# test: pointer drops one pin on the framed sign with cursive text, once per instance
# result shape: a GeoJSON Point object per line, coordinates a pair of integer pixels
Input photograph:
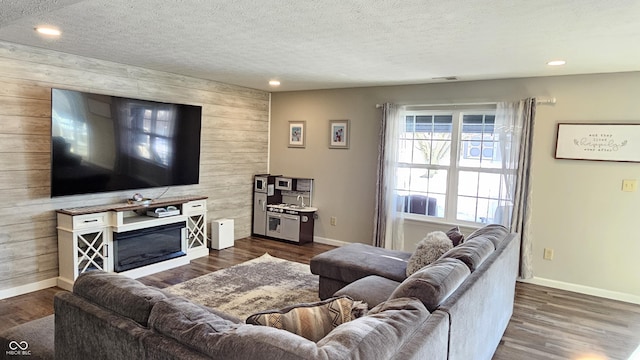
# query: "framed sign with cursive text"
{"type": "Point", "coordinates": [603, 142]}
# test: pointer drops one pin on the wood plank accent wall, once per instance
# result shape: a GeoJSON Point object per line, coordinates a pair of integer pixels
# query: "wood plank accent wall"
{"type": "Point", "coordinates": [234, 147]}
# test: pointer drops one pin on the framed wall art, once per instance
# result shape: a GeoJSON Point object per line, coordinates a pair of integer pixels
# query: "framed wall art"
{"type": "Point", "coordinates": [297, 134]}
{"type": "Point", "coordinates": [339, 134]}
{"type": "Point", "coordinates": [601, 142]}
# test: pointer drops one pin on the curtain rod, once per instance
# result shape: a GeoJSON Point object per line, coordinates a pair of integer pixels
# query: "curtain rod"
{"type": "Point", "coordinates": [550, 101]}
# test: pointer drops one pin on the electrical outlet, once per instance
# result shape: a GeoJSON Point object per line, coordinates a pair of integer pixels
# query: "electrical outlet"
{"type": "Point", "coordinates": [334, 221]}
{"type": "Point", "coordinates": [629, 185]}
{"type": "Point", "coordinates": [548, 254]}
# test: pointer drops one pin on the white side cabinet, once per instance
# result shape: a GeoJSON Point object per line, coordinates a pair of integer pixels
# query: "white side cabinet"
{"type": "Point", "coordinates": [196, 212]}
{"type": "Point", "coordinates": [222, 234]}
{"type": "Point", "coordinates": [84, 242]}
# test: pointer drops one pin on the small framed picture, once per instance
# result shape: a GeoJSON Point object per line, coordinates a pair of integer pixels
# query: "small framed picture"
{"type": "Point", "coordinates": [297, 133]}
{"type": "Point", "coordinates": [339, 134]}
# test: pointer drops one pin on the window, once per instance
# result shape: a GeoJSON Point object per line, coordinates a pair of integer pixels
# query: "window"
{"type": "Point", "coordinates": [71, 132]}
{"type": "Point", "coordinates": [450, 167]}
{"type": "Point", "coordinates": [152, 128]}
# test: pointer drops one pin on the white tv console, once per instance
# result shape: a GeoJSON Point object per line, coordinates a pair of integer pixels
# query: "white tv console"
{"type": "Point", "coordinates": [85, 235]}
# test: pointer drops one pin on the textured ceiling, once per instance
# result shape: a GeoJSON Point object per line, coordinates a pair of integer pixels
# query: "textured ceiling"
{"type": "Point", "coordinates": [314, 44]}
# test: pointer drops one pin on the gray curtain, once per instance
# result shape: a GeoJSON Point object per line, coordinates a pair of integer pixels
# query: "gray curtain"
{"type": "Point", "coordinates": [515, 122]}
{"type": "Point", "coordinates": [388, 227]}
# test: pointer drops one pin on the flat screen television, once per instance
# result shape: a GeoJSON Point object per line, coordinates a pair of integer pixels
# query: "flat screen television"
{"type": "Point", "coordinates": [102, 143]}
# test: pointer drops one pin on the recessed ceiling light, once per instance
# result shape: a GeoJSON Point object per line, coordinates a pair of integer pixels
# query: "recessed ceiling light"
{"type": "Point", "coordinates": [48, 31]}
{"type": "Point", "coordinates": [274, 83]}
{"type": "Point", "coordinates": [556, 62]}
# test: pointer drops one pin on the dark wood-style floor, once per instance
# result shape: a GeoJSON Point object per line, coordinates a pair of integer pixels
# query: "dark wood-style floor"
{"type": "Point", "coordinates": [546, 324]}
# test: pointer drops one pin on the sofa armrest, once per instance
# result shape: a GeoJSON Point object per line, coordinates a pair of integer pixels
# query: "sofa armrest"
{"type": "Point", "coordinates": [481, 307]}
{"type": "Point", "coordinates": [120, 294]}
{"type": "Point", "coordinates": [397, 329]}
{"type": "Point", "coordinates": [83, 329]}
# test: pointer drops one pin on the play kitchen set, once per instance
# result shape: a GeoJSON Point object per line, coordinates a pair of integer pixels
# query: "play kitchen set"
{"type": "Point", "coordinates": [282, 208]}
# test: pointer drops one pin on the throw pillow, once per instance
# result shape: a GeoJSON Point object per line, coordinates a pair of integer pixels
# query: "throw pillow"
{"type": "Point", "coordinates": [312, 321]}
{"type": "Point", "coordinates": [456, 236]}
{"type": "Point", "coordinates": [428, 250]}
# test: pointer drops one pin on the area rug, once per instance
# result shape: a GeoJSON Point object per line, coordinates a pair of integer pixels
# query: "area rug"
{"type": "Point", "coordinates": [263, 283]}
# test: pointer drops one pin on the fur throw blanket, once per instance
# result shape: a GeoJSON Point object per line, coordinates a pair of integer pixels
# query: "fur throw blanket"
{"type": "Point", "coordinates": [428, 250]}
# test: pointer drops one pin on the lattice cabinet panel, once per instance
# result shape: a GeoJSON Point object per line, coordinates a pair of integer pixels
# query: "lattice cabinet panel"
{"type": "Point", "coordinates": [92, 251]}
{"type": "Point", "coordinates": [196, 212]}
{"type": "Point", "coordinates": [197, 230]}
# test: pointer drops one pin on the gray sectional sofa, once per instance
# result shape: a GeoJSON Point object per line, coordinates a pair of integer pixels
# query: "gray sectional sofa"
{"type": "Point", "coordinates": [108, 316]}
{"type": "Point", "coordinates": [456, 308]}
{"type": "Point", "coordinates": [472, 285]}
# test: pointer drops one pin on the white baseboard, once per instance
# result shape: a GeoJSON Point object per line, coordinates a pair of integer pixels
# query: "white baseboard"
{"type": "Point", "coordinates": [64, 283]}
{"type": "Point", "coordinates": [198, 253]}
{"type": "Point", "coordinates": [332, 242]}
{"type": "Point", "coordinates": [23, 289]}
{"type": "Point", "coordinates": [582, 289]}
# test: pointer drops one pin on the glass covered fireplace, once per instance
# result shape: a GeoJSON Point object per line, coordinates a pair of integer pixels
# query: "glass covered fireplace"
{"type": "Point", "coordinates": [133, 249]}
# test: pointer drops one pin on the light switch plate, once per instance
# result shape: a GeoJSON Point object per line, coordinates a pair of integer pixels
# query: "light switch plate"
{"type": "Point", "coordinates": [630, 185]}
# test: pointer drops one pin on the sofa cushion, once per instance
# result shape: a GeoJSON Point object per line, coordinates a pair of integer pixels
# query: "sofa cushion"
{"type": "Point", "coordinates": [428, 250]}
{"type": "Point", "coordinates": [403, 303]}
{"type": "Point", "coordinates": [120, 294]}
{"type": "Point", "coordinates": [473, 252]}
{"type": "Point", "coordinates": [433, 283]}
{"type": "Point", "coordinates": [395, 326]}
{"type": "Point", "coordinates": [355, 261]}
{"type": "Point", "coordinates": [186, 322]}
{"type": "Point", "coordinates": [493, 232]}
{"type": "Point", "coordinates": [455, 235]}
{"type": "Point", "coordinates": [312, 321]}
{"type": "Point", "coordinates": [214, 311]}
{"type": "Point", "coordinates": [371, 290]}
{"type": "Point", "coordinates": [199, 329]}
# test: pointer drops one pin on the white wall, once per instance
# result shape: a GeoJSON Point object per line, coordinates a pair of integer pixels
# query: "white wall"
{"type": "Point", "coordinates": [579, 209]}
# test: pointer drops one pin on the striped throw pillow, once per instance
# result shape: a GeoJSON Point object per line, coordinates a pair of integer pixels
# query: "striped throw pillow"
{"type": "Point", "coordinates": [312, 321]}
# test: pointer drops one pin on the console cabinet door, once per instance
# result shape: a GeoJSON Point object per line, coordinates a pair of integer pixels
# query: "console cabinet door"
{"type": "Point", "coordinates": [196, 212]}
{"type": "Point", "coordinates": [84, 243]}
{"type": "Point", "coordinates": [92, 251]}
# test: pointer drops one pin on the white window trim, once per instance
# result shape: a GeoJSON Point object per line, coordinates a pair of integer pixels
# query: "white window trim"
{"type": "Point", "coordinates": [454, 167]}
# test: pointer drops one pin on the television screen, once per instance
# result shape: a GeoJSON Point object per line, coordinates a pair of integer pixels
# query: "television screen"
{"type": "Point", "coordinates": [103, 143]}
